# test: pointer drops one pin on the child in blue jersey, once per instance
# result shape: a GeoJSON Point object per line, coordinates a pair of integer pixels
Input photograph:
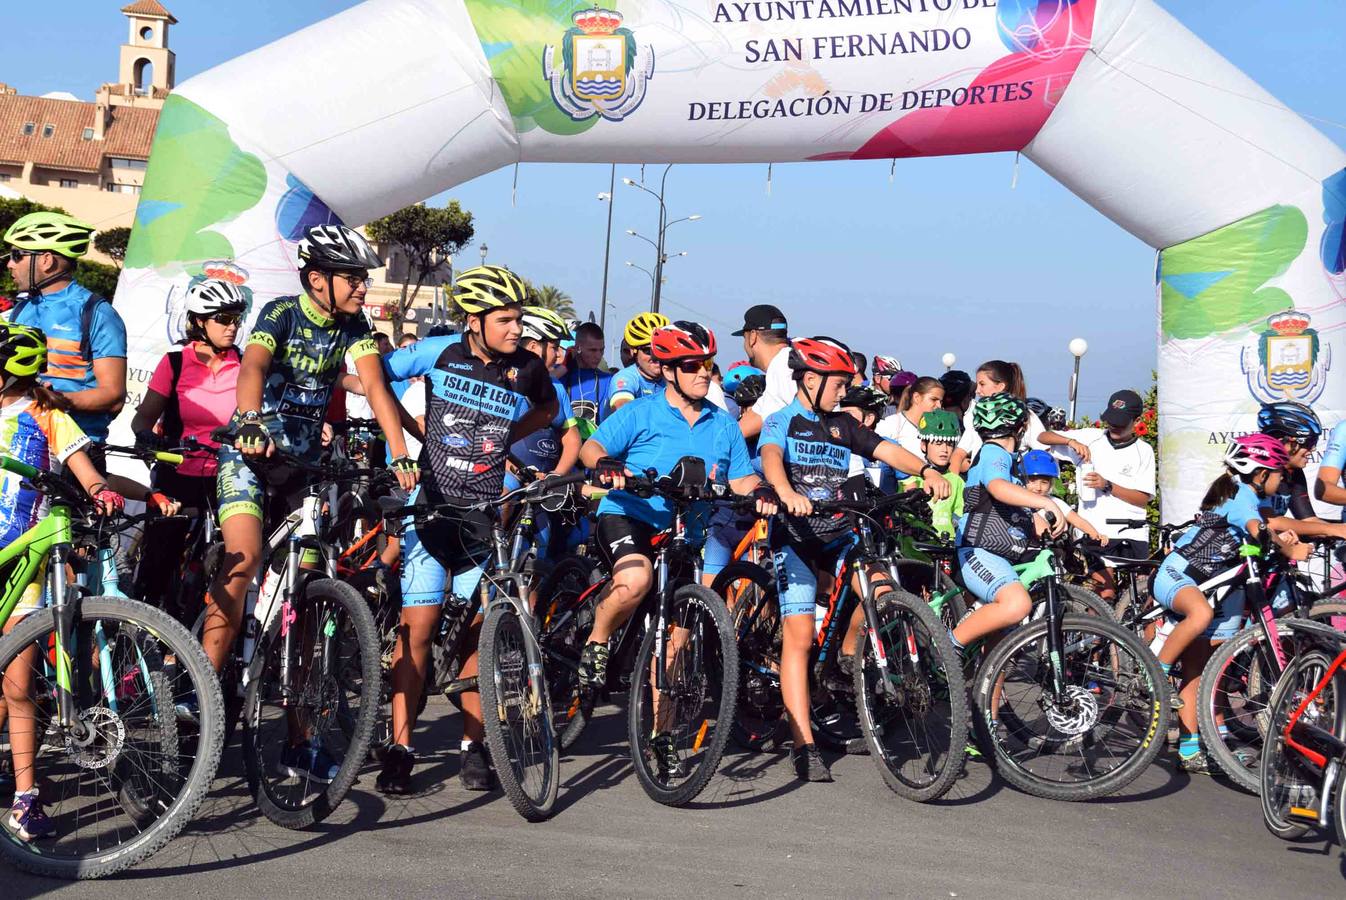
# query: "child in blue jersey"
{"type": "Point", "coordinates": [1329, 486]}
{"type": "Point", "coordinates": [806, 456]}
{"type": "Point", "coordinates": [997, 525]}
{"type": "Point", "coordinates": [643, 378]}
{"type": "Point", "coordinates": [656, 432]}
{"type": "Point", "coordinates": [1231, 514]}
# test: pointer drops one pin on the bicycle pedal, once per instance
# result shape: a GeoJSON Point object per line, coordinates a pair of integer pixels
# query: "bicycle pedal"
{"type": "Point", "coordinates": [460, 686]}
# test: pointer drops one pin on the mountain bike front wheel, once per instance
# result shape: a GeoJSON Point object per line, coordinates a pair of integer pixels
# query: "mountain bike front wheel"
{"type": "Point", "coordinates": [127, 776]}
{"type": "Point", "coordinates": [1092, 737]}
{"type": "Point", "coordinates": [1286, 783]}
{"type": "Point", "coordinates": [916, 724]}
{"type": "Point", "coordinates": [517, 714]}
{"type": "Point", "coordinates": [677, 734]}
{"type": "Point", "coordinates": [305, 739]}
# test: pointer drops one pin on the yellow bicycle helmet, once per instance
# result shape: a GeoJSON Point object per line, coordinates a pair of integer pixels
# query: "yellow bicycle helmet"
{"type": "Point", "coordinates": [542, 324]}
{"type": "Point", "coordinates": [641, 329]}
{"type": "Point", "coordinates": [23, 351]}
{"type": "Point", "coordinates": [50, 231]}
{"type": "Point", "coordinates": [486, 288]}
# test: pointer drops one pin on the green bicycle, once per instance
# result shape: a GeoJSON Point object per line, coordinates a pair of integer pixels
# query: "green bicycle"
{"type": "Point", "coordinates": [93, 685]}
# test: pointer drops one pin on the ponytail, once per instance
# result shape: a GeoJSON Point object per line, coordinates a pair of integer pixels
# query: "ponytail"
{"type": "Point", "coordinates": [48, 399]}
{"type": "Point", "coordinates": [923, 385]}
{"type": "Point", "coordinates": [1221, 490]}
{"type": "Point", "coordinates": [1007, 373]}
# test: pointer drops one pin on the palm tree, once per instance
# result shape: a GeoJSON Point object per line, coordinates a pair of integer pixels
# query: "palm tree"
{"type": "Point", "coordinates": [551, 297]}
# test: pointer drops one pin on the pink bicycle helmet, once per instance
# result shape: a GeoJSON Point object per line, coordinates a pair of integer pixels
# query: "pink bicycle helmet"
{"type": "Point", "coordinates": [1251, 452]}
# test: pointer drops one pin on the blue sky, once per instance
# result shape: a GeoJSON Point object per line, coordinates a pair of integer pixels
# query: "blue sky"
{"type": "Point", "coordinates": [933, 262]}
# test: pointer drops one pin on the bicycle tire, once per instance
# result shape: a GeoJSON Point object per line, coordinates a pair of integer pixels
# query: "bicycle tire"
{"type": "Point", "coordinates": [136, 796]}
{"type": "Point", "coordinates": [1275, 763]}
{"type": "Point", "coordinates": [201, 759]}
{"type": "Point", "coordinates": [919, 692]}
{"type": "Point", "coordinates": [562, 631]}
{"type": "Point", "coordinates": [758, 713]}
{"type": "Point", "coordinates": [510, 710]}
{"type": "Point", "coordinates": [1136, 680]}
{"type": "Point", "coordinates": [352, 619]}
{"type": "Point", "coordinates": [701, 608]}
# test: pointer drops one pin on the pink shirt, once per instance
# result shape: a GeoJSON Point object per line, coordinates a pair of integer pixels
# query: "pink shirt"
{"type": "Point", "coordinates": [206, 400]}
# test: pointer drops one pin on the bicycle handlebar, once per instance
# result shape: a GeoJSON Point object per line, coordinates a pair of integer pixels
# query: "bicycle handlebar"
{"type": "Point", "coordinates": [532, 490]}
{"type": "Point", "coordinates": [913, 497]}
{"type": "Point", "coordinates": [169, 457]}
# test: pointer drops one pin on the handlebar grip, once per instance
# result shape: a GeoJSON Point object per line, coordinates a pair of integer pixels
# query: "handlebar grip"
{"type": "Point", "coordinates": [553, 481]}
{"type": "Point", "coordinates": [172, 459]}
{"type": "Point", "coordinates": [18, 467]}
{"type": "Point", "coordinates": [223, 435]}
{"type": "Point", "coordinates": [1127, 523]}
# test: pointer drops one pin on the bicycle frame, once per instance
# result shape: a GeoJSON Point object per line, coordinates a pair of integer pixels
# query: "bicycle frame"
{"type": "Point", "coordinates": [1327, 755]}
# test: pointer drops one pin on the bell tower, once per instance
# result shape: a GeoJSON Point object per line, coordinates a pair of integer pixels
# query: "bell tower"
{"type": "Point", "coordinates": [147, 65]}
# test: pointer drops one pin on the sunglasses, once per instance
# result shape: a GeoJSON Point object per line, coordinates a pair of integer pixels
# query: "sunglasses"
{"type": "Point", "coordinates": [356, 281]}
{"type": "Point", "coordinates": [16, 255]}
{"type": "Point", "coordinates": [692, 366]}
{"type": "Point", "coordinates": [227, 319]}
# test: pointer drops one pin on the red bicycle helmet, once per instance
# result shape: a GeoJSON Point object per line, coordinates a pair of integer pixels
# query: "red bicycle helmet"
{"type": "Point", "coordinates": [682, 340]}
{"type": "Point", "coordinates": [1251, 452]}
{"type": "Point", "coordinates": [822, 355]}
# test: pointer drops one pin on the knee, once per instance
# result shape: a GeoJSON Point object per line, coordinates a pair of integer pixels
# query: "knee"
{"type": "Point", "coordinates": [630, 586]}
{"type": "Point", "coordinates": [1014, 602]}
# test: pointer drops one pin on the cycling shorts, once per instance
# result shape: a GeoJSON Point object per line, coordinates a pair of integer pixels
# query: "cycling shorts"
{"type": "Point", "coordinates": [1173, 577]}
{"type": "Point", "coordinates": [619, 536]}
{"type": "Point", "coordinates": [796, 566]}
{"type": "Point", "coordinates": [722, 540]}
{"type": "Point", "coordinates": [984, 573]}
{"type": "Point", "coordinates": [435, 550]}
{"type": "Point", "coordinates": [241, 490]}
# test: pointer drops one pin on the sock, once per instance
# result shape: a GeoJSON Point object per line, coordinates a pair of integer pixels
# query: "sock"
{"type": "Point", "coordinates": [956, 644]}
{"type": "Point", "coordinates": [1167, 667]}
{"type": "Point", "coordinates": [464, 744]}
{"type": "Point", "coordinates": [19, 795]}
{"type": "Point", "coordinates": [1189, 745]}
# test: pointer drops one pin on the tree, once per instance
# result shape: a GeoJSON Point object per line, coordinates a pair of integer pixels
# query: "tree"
{"type": "Point", "coordinates": [548, 296]}
{"type": "Point", "coordinates": [96, 277]}
{"type": "Point", "coordinates": [112, 242]}
{"type": "Point", "coordinates": [428, 237]}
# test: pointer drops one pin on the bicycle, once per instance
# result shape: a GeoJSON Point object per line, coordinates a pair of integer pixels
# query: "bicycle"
{"type": "Point", "coordinates": [1305, 749]}
{"type": "Point", "coordinates": [307, 660]}
{"type": "Point", "coordinates": [693, 691]}
{"type": "Point", "coordinates": [106, 675]}
{"type": "Point", "coordinates": [1071, 707]}
{"type": "Point", "coordinates": [515, 703]}
{"type": "Point", "coordinates": [905, 697]}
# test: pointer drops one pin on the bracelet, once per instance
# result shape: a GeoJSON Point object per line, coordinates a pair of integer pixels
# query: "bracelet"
{"type": "Point", "coordinates": [98, 488]}
{"type": "Point", "coordinates": [921, 474]}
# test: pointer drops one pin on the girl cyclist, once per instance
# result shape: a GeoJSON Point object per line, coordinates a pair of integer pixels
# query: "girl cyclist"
{"type": "Point", "coordinates": [996, 376]}
{"type": "Point", "coordinates": [923, 395]}
{"type": "Point", "coordinates": [1231, 514]}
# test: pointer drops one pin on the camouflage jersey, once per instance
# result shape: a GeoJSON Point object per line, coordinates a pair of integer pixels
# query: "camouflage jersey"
{"type": "Point", "coordinates": [309, 353]}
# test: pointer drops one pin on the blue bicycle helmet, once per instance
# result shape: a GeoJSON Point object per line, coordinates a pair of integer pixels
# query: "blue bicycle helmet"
{"type": "Point", "coordinates": [1040, 462]}
{"type": "Point", "coordinates": [1290, 421]}
{"type": "Point", "coordinates": [734, 377]}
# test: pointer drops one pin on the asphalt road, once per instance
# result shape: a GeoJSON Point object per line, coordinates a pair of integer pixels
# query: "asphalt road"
{"type": "Point", "coordinates": [755, 832]}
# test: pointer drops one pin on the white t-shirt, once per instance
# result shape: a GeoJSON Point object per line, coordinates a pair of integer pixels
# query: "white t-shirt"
{"type": "Point", "coordinates": [413, 401]}
{"type": "Point", "coordinates": [898, 429]}
{"type": "Point", "coordinates": [716, 395]}
{"type": "Point", "coordinates": [971, 442]}
{"type": "Point", "coordinates": [780, 385]}
{"type": "Point", "coordinates": [357, 407]}
{"type": "Point", "coordinates": [1130, 467]}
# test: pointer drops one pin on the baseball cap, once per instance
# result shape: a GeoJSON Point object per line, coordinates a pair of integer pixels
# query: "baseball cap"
{"type": "Point", "coordinates": [762, 317]}
{"type": "Point", "coordinates": [1124, 407]}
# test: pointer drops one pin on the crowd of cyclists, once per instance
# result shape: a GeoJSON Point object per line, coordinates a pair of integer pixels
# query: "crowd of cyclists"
{"type": "Point", "coordinates": [515, 392]}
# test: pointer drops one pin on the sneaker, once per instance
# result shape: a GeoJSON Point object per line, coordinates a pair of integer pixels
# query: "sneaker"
{"type": "Point", "coordinates": [474, 771]}
{"type": "Point", "coordinates": [809, 765]}
{"type": "Point", "coordinates": [1196, 764]}
{"type": "Point", "coordinates": [395, 778]}
{"type": "Point", "coordinates": [27, 819]}
{"type": "Point", "coordinates": [666, 756]}
{"type": "Point", "coordinates": [593, 668]}
{"type": "Point", "coordinates": [308, 762]}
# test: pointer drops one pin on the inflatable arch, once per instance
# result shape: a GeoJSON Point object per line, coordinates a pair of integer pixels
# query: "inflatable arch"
{"type": "Point", "coordinates": [396, 100]}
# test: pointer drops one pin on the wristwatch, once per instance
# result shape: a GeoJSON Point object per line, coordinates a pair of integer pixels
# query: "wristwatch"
{"type": "Point", "coordinates": [252, 417]}
{"type": "Point", "coordinates": [921, 474]}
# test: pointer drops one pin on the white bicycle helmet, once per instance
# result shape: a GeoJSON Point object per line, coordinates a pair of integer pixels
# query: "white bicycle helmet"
{"type": "Point", "coordinates": [336, 248]}
{"type": "Point", "coordinates": [208, 296]}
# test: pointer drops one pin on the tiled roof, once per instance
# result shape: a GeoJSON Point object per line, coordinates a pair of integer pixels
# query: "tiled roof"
{"type": "Point", "coordinates": [149, 8]}
{"type": "Point", "coordinates": [128, 134]}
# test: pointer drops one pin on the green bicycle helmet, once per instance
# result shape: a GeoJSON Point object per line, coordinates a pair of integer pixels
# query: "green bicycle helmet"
{"type": "Point", "coordinates": [940, 425]}
{"type": "Point", "coordinates": [23, 352]}
{"type": "Point", "coordinates": [50, 232]}
{"type": "Point", "coordinates": [1000, 415]}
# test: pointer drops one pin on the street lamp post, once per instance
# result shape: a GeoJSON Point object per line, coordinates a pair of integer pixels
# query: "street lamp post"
{"type": "Point", "coordinates": [1077, 347]}
{"type": "Point", "coordinates": [482, 248]}
{"type": "Point", "coordinates": [664, 224]}
{"type": "Point", "coordinates": [949, 359]}
{"type": "Point", "coordinates": [607, 250]}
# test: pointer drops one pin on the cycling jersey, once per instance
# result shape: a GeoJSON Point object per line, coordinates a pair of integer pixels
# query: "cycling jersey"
{"type": "Point", "coordinates": [1233, 515]}
{"type": "Point", "coordinates": [542, 449]}
{"type": "Point", "coordinates": [1002, 528]}
{"type": "Point", "coordinates": [589, 390]}
{"type": "Point", "coordinates": [205, 401]}
{"type": "Point", "coordinates": [817, 455]}
{"type": "Point", "coordinates": [631, 384]}
{"type": "Point", "coordinates": [1334, 457]}
{"type": "Point", "coordinates": [650, 434]}
{"type": "Point", "coordinates": [944, 514]}
{"type": "Point", "coordinates": [308, 357]}
{"type": "Point", "coordinates": [58, 315]}
{"type": "Point", "coordinates": [470, 408]}
{"type": "Point", "coordinates": [42, 438]}
{"type": "Point", "coordinates": [1292, 497]}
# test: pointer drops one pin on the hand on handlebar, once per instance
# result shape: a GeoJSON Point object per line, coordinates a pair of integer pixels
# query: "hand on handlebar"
{"type": "Point", "coordinates": [148, 440]}
{"type": "Point", "coordinates": [1055, 522]}
{"type": "Point", "coordinates": [767, 502]}
{"type": "Point", "coordinates": [107, 500]}
{"type": "Point", "coordinates": [936, 485]}
{"type": "Point", "coordinates": [795, 503]}
{"type": "Point", "coordinates": [254, 440]}
{"type": "Point", "coordinates": [166, 505]}
{"type": "Point", "coordinates": [611, 473]}
{"type": "Point", "coordinates": [407, 470]}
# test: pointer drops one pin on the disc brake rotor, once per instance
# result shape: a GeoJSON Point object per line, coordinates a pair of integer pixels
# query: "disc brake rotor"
{"type": "Point", "coordinates": [106, 737]}
{"type": "Point", "coordinates": [1076, 715]}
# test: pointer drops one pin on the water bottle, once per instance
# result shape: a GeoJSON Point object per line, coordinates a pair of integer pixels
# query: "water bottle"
{"type": "Point", "coordinates": [1087, 494]}
{"type": "Point", "coordinates": [1166, 626]}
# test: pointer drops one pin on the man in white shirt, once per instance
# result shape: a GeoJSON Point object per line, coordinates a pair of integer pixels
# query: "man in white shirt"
{"type": "Point", "coordinates": [1114, 478]}
{"type": "Point", "coordinates": [767, 346]}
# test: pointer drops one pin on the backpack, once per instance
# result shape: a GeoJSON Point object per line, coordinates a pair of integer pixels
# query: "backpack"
{"type": "Point", "coordinates": [1000, 528]}
{"type": "Point", "coordinates": [86, 315]}
{"type": "Point", "coordinates": [1214, 549]}
{"type": "Point", "coordinates": [172, 417]}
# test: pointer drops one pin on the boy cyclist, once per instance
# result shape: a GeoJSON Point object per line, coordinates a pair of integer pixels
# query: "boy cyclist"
{"type": "Point", "coordinates": [939, 432]}
{"type": "Point", "coordinates": [806, 455]}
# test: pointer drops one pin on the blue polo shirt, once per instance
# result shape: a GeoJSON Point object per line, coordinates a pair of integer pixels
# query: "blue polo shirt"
{"type": "Point", "coordinates": [649, 434]}
{"type": "Point", "coordinates": [1334, 457]}
{"type": "Point", "coordinates": [58, 315]}
{"type": "Point", "coordinates": [630, 384]}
